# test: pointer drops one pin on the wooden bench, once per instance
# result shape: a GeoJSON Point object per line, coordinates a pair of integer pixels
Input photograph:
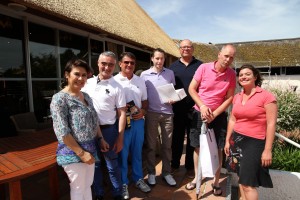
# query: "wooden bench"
{"type": "Point", "coordinates": [26, 155]}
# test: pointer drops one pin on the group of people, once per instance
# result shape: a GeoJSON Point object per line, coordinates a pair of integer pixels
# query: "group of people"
{"type": "Point", "coordinates": [109, 116]}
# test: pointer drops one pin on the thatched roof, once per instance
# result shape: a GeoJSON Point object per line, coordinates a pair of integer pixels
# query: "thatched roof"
{"type": "Point", "coordinates": [206, 52]}
{"type": "Point", "coordinates": [120, 19]}
{"type": "Point", "coordinates": [279, 53]}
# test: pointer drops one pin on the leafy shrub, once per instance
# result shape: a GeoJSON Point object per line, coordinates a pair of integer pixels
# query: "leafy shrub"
{"type": "Point", "coordinates": [288, 109]}
{"type": "Point", "coordinates": [285, 157]}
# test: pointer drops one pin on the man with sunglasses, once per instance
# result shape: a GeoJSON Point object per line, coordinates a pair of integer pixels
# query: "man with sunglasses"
{"type": "Point", "coordinates": [136, 98]}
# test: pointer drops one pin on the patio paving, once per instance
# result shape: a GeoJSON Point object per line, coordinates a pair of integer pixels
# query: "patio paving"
{"type": "Point", "coordinates": [36, 187]}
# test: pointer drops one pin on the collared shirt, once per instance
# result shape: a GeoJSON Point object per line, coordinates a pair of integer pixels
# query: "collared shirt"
{"type": "Point", "coordinates": [251, 118]}
{"type": "Point", "coordinates": [213, 86]}
{"type": "Point", "coordinates": [107, 96]}
{"type": "Point", "coordinates": [183, 77]}
{"type": "Point", "coordinates": [135, 88]}
{"type": "Point", "coordinates": [153, 80]}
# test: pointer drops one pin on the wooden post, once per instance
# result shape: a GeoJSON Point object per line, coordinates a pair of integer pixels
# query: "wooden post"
{"type": "Point", "coordinates": [15, 192]}
{"type": "Point", "coordinates": [53, 182]}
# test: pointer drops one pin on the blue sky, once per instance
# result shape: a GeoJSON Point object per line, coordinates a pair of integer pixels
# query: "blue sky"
{"type": "Point", "coordinates": [224, 21]}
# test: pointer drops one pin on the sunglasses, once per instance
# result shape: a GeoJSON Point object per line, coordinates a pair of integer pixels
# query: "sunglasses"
{"type": "Point", "coordinates": [129, 62]}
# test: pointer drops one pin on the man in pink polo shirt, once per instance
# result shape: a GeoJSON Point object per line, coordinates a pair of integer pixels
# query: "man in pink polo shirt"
{"type": "Point", "coordinates": [212, 89]}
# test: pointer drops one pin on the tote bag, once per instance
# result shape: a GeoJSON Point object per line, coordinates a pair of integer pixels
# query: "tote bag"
{"type": "Point", "coordinates": [209, 157]}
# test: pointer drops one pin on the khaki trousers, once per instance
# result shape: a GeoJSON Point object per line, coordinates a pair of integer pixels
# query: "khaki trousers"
{"type": "Point", "coordinates": [153, 121]}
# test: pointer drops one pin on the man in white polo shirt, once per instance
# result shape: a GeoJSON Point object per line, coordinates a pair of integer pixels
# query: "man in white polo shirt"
{"type": "Point", "coordinates": [136, 98]}
{"type": "Point", "coordinates": [109, 102]}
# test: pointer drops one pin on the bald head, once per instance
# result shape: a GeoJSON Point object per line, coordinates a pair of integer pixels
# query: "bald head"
{"type": "Point", "coordinates": [226, 56]}
{"type": "Point", "coordinates": [228, 47]}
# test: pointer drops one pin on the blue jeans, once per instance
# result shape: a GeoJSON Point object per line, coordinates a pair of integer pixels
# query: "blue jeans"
{"type": "Point", "coordinates": [110, 134]}
{"type": "Point", "coordinates": [133, 144]}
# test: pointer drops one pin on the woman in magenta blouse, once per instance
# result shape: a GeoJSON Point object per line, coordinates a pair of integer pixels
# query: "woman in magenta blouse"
{"type": "Point", "coordinates": [250, 133]}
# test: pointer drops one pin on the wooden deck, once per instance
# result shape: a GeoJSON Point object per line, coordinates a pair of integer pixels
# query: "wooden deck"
{"type": "Point", "coordinates": [24, 156]}
{"type": "Point", "coordinates": [36, 187]}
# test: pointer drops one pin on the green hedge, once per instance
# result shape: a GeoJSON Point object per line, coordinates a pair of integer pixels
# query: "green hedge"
{"type": "Point", "coordinates": [286, 156]}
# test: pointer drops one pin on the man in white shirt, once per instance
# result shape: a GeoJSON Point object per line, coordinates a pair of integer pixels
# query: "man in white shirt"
{"type": "Point", "coordinates": [109, 102]}
{"type": "Point", "coordinates": [136, 98]}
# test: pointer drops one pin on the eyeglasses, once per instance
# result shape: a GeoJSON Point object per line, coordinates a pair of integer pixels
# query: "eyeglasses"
{"type": "Point", "coordinates": [107, 64]}
{"type": "Point", "coordinates": [127, 62]}
{"type": "Point", "coordinates": [186, 47]}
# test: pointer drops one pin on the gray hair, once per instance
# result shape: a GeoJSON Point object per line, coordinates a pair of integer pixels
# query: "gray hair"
{"type": "Point", "coordinates": [109, 54]}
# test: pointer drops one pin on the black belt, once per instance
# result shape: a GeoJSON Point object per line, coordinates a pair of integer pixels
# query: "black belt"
{"type": "Point", "coordinates": [106, 126]}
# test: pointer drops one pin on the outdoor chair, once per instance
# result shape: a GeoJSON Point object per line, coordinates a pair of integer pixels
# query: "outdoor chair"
{"type": "Point", "coordinates": [27, 123]}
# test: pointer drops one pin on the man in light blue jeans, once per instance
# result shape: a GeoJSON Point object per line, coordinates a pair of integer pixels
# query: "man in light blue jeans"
{"type": "Point", "coordinates": [136, 98]}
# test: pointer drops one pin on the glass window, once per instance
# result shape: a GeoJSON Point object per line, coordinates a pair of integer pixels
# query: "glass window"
{"type": "Point", "coordinates": [11, 48]}
{"type": "Point", "coordinates": [283, 70]}
{"type": "Point", "coordinates": [96, 50]}
{"type": "Point", "coordinates": [42, 51]}
{"type": "Point", "coordinates": [42, 94]}
{"type": "Point", "coordinates": [13, 100]}
{"type": "Point", "coordinates": [13, 93]}
{"type": "Point", "coordinates": [142, 58]}
{"type": "Point", "coordinates": [292, 70]}
{"type": "Point", "coordinates": [275, 71]}
{"type": "Point", "coordinates": [72, 46]}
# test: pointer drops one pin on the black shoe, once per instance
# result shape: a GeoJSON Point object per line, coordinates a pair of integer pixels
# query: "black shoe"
{"type": "Point", "coordinates": [99, 198]}
{"type": "Point", "coordinates": [174, 170]}
{"type": "Point", "coordinates": [119, 197]}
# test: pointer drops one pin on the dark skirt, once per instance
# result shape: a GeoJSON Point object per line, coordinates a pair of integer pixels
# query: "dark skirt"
{"type": "Point", "coordinates": [245, 160]}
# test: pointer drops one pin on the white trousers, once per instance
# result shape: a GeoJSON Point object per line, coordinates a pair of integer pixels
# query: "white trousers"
{"type": "Point", "coordinates": [81, 178]}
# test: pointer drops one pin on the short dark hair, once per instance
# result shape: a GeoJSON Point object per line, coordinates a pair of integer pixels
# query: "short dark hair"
{"type": "Point", "coordinates": [74, 62]}
{"type": "Point", "coordinates": [256, 73]}
{"type": "Point", "coordinates": [158, 50]}
{"type": "Point", "coordinates": [128, 54]}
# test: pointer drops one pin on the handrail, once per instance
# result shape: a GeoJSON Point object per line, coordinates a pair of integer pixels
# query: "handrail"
{"type": "Point", "coordinates": [288, 140]}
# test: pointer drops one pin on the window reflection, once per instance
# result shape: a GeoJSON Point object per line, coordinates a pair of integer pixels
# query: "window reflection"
{"type": "Point", "coordinates": [42, 95]}
{"type": "Point", "coordinates": [11, 48]}
{"type": "Point", "coordinates": [42, 51]}
{"type": "Point", "coordinates": [96, 50]}
{"type": "Point", "coordinates": [13, 100]}
{"type": "Point", "coordinates": [13, 93]}
{"type": "Point", "coordinates": [143, 58]}
{"type": "Point", "coordinates": [72, 46]}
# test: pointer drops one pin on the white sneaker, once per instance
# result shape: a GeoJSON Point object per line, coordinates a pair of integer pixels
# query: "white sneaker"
{"type": "Point", "coordinates": [151, 179]}
{"type": "Point", "coordinates": [142, 186]}
{"type": "Point", "coordinates": [125, 193]}
{"type": "Point", "coordinates": [170, 180]}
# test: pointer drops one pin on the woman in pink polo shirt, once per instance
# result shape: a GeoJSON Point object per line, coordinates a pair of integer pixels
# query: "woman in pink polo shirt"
{"type": "Point", "coordinates": [250, 133]}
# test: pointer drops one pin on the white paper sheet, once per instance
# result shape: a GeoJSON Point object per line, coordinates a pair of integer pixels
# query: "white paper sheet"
{"type": "Point", "coordinates": [167, 92]}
